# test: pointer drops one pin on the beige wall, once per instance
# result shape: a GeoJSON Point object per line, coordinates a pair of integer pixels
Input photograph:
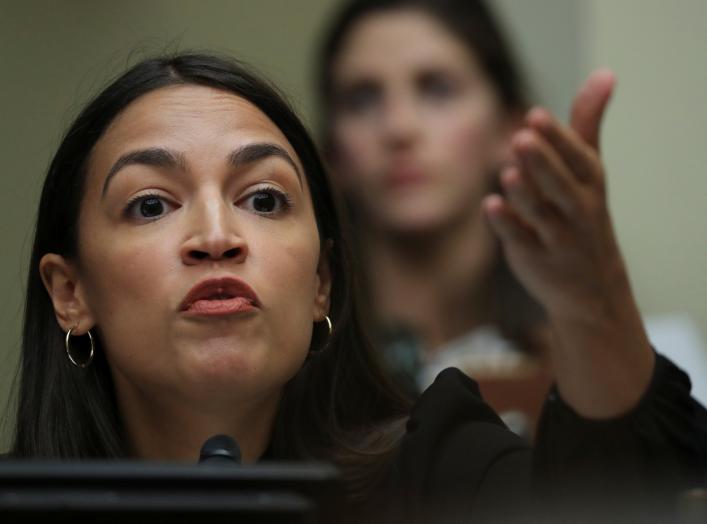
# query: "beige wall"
{"type": "Point", "coordinates": [53, 55]}
{"type": "Point", "coordinates": [656, 144]}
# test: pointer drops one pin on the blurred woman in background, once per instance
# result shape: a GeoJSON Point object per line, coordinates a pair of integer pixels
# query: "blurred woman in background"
{"type": "Point", "coordinates": [420, 100]}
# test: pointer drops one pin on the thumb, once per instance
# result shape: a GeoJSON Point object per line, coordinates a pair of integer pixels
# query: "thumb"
{"type": "Point", "coordinates": [589, 105]}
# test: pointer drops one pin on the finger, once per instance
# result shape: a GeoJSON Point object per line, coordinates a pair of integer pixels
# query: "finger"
{"type": "Point", "coordinates": [546, 169]}
{"type": "Point", "coordinates": [530, 207]}
{"type": "Point", "coordinates": [580, 158]}
{"type": "Point", "coordinates": [589, 105]}
{"type": "Point", "coordinates": [507, 225]}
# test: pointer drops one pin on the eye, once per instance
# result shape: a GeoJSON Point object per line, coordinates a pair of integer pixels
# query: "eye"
{"type": "Point", "coordinates": [436, 86]}
{"type": "Point", "coordinates": [267, 201]}
{"type": "Point", "coordinates": [148, 207]}
{"type": "Point", "coordinates": [360, 98]}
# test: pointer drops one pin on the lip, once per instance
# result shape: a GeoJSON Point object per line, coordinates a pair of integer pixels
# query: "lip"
{"type": "Point", "coordinates": [404, 176]}
{"type": "Point", "coordinates": [219, 296]}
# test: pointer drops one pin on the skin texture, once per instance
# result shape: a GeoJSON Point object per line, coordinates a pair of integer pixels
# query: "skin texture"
{"type": "Point", "coordinates": [182, 378]}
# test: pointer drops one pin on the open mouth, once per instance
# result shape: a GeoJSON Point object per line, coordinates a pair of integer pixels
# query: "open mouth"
{"type": "Point", "coordinates": [221, 296]}
{"type": "Point", "coordinates": [220, 305]}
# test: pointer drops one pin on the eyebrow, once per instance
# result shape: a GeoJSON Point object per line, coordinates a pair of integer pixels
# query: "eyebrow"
{"type": "Point", "coordinates": [154, 156]}
{"type": "Point", "coordinates": [250, 153]}
{"type": "Point", "coordinates": [160, 157]}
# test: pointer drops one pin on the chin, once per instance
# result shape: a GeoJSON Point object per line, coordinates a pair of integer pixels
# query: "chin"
{"type": "Point", "coordinates": [415, 221]}
{"type": "Point", "coordinates": [227, 365]}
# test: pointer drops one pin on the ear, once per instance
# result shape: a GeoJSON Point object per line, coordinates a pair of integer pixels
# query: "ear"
{"type": "Point", "coordinates": [61, 281]}
{"type": "Point", "coordinates": [321, 299]}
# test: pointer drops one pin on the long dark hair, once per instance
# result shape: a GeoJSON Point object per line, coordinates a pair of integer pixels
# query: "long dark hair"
{"type": "Point", "coordinates": [476, 26]}
{"type": "Point", "coordinates": [338, 407]}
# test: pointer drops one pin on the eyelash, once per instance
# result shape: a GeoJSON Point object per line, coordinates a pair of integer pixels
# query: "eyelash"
{"type": "Point", "coordinates": [130, 207]}
{"type": "Point", "coordinates": [282, 198]}
{"type": "Point", "coordinates": [361, 99]}
{"type": "Point", "coordinates": [437, 87]}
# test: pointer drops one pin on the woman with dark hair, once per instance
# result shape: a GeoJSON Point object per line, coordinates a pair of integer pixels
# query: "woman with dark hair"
{"type": "Point", "coordinates": [89, 252]}
{"type": "Point", "coordinates": [190, 276]}
{"type": "Point", "coordinates": [420, 99]}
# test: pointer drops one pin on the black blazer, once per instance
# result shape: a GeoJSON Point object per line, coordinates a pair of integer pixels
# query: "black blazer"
{"type": "Point", "coordinates": [458, 462]}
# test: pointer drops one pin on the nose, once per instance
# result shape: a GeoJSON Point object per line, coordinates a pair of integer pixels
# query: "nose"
{"type": "Point", "coordinates": [401, 122]}
{"type": "Point", "coordinates": [213, 235]}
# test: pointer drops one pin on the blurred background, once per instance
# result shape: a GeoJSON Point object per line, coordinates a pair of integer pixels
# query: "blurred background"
{"type": "Point", "coordinates": [55, 54]}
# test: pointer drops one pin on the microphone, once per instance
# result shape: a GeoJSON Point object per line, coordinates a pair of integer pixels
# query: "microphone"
{"type": "Point", "coordinates": [220, 450]}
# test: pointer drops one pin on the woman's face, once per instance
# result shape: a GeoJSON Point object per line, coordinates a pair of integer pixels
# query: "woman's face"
{"type": "Point", "coordinates": [418, 130]}
{"type": "Point", "coordinates": [199, 258]}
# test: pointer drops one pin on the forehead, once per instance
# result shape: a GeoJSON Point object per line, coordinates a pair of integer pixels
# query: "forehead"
{"type": "Point", "coordinates": [412, 39]}
{"type": "Point", "coordinates": [187, 117]}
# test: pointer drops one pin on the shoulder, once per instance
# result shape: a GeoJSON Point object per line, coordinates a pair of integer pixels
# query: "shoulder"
{"type": "Point", "coordinates": [451, 421]}
{"type": "Point", "coordinates": [456, 450]}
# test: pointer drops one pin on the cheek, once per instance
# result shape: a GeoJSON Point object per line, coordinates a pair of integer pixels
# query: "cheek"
{"type": "Point", "coordinates": [129, 298]}
{"type": "Point", "coordinates": [288, 281]}
{"type": "Point", "coordinates": [291, 270]}
{"type": "Point", "coordinates": [469, 145]}
{"type": "Point", "coordinates": [126, 278]}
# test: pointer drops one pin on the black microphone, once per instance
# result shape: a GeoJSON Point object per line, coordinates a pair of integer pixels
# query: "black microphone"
{"type": "Point", "coordinates": [220, 450]}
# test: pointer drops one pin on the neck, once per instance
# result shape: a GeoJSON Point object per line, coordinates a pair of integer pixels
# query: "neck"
{"type": "Point", "coordinates": [175, 428]}
{"type": "Point", "coordinates": [439, 283]}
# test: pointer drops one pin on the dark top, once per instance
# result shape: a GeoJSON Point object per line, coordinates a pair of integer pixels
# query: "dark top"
{"type": "Point", "coordinates": [458, 462]}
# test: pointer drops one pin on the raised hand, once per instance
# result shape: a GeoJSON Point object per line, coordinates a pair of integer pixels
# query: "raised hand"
{"type": "Point", "coordinates": [555, 229]}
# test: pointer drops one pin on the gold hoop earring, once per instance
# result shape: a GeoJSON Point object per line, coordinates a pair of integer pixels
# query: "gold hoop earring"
{"type": "Point", "coordinates": [318, 345]}
{"type": "Point", "coordinates": [329, 324]}
{"type": "Point", "coordinates": [67, 344]}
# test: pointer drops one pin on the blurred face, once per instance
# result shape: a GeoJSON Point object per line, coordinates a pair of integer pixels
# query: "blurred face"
{"type": "Point", "coordinates": [418, 130]}
{"type": "Point", "coordinates": [199, 256]}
